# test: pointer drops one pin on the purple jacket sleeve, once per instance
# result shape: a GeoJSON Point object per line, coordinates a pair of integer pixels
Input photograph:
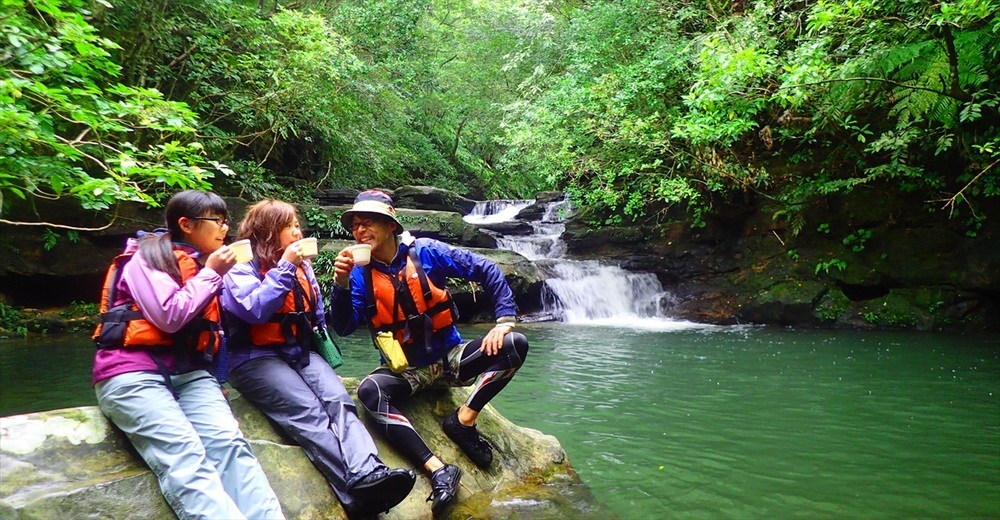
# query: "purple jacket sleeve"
{"type": "Point", "coordinates": [254, 300]}
{"type": "Point", "coordinates": [164, 303]}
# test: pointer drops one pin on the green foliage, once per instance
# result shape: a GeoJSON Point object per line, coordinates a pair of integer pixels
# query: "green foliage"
{"type": "Point", "coordinates": [660, 104]}
{"type": "Point", "coordinates": [597, 124]}
{"type": "Point", "coordinates": [632, 107]}
{"type": "Point", "coordinates": [344, 96]}
{"type": "Point", "coordinates": [81, 310]}
{"type": "Point", "coordinates": [890, 317]}
{"type": "Point", "coordinates": [49, 239]}
{"type": "Point", "coordinates": [324, 270]}
{"type": "Point", "coordinates": [856, 240]}
{"type": "Point", "coordinates": [69, 129]}
{"type": "Point", "coordinates": [833, 262]}
{"type": "Point", "coordinates": [11, 320]}
{"type": "Point", "coordinates": [253, 182]}
{"type": "Point", "coordinates": [324, 225]}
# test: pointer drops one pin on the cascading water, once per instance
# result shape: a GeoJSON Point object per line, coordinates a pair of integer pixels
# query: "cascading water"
{"type": "Point", "coordinates": [585, 292]}
{"type": "Point", "coordinates": [494, 211]}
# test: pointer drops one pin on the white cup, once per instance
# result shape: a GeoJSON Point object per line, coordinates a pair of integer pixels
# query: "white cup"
{"type": "Point", "coordinates": [242, 250]}
{"type": "Point", "coordinates": [361, 253]}
{"type": "Point", "coordinates": [310, 247]}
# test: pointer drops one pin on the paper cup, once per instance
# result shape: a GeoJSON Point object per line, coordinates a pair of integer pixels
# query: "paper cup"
{"type": "Point", "coordinates": [362, 254]}
{"type": "Point", "coordinates": [310, 247]}
{"type": "Point", "coordinates": [242, 250]}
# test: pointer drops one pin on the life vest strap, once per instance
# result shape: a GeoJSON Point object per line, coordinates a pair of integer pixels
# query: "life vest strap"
{"type": "Point", "coordinates": [304, 321]}
{"type": "Point", "coordinates": [417, 327]}
{"type": "Point", "coordinates": [421, 274]}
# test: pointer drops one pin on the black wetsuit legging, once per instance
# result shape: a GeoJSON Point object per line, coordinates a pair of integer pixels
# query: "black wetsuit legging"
{"type": "Point", "coordinates": [378, 391]}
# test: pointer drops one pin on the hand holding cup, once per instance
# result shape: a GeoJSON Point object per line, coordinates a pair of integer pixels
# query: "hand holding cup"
{"type": "Point", "coordinates": [361, 253]}
{"type": "Point", "coordinates": [242, 250]}
{"type": "Point", "coordinates": [309, 247]}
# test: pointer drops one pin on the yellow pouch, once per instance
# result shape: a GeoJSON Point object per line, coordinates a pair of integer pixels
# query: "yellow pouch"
{"type": "Point", "coordinates": [392, 351]}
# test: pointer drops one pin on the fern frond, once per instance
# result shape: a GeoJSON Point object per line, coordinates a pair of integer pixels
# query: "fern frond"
{"type": "Point", "coordinates": [900, 57]}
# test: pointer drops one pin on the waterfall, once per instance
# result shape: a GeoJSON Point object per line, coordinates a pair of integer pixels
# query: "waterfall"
{"type": "Point", "coordinates": [575, 291]}
{"type": "Point", "coordinates": [493, 211]}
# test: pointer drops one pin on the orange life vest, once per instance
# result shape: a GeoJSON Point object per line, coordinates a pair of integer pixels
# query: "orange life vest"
{"type": "Point", "coordinates": [123, 326]}
{"type": "Point", "coordinates": [280, 329]}
{"type": "Point", "coordinates": [407, 302]}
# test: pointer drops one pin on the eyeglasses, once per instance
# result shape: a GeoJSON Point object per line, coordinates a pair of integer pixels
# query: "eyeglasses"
{"type": "Point", "coordinates": [221, 221]}
{"type": "Point", "coordinates": [367, 224]}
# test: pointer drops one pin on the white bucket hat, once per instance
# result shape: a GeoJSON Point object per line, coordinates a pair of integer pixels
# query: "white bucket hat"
{"type": "Point", "coordinates": [374, 202]}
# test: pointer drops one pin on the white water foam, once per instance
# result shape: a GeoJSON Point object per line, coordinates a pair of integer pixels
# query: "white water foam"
{"type": "Point", "coordinates": [584, 292]}
{"type": "Point", "coordinates": [496, 211]}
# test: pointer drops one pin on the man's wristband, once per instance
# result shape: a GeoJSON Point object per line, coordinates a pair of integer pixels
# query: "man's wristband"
{"type": "Point", "coordinates": [507, 321]}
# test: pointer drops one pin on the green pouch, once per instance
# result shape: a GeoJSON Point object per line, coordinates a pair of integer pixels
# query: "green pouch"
{"type": "Point", "coordinates": [324, 346]}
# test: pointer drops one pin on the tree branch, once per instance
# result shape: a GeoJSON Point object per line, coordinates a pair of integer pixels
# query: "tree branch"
{"type": "Point", "coordinates": [183, 57]}
{"type": "Point", "coordinates": [949, 45]}
{"type": "Point", "coordinates": [59, 226]}
{"type": "Point", "coordinates": [950, 202]}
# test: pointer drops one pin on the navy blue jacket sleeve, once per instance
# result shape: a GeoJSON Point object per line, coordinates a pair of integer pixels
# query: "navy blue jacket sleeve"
{"type": "Point", "coordinates": [347, 306]}
{"type": "Point", "coordinates": [442, 261]}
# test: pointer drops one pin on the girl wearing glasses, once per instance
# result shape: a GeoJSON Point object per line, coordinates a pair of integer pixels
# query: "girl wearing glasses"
{"type": "Point", "coordinates": [159, 331]}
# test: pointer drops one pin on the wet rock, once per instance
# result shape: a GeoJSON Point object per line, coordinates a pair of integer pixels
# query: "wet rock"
{"type": "Point", "coordinates": [73, 463]}
{"type": "Point", "coordinates": [512, 227]}
{"type": "Point", "coordinates": [433, 199]}
{"type": "Point", "coordinates": [523, 276]}
{"type": "Point", "coordinates": [330, 197]}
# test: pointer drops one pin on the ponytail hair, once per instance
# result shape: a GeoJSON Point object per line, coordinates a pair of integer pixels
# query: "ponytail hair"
{"type": "Point", "coordinates": [263, 225]}
{"type": "Point", "coordinates": [158, 249]}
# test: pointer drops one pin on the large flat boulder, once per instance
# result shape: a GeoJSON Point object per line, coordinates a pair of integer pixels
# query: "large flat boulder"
{"type": "Point", "coordinates": [73, 463]}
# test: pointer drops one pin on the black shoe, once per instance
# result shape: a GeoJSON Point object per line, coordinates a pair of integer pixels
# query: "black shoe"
{"type": "Point", "coordinates": [380, 490]}
{"type": "Point", "coordinates": [444, 486]}
{"type": "Point", "coordinates": [467, 438]}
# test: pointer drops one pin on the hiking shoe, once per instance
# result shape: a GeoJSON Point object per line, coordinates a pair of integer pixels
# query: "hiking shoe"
{"type": "Point", "coordinates": [444, 486]}
{"type": "Point", "coordinates": [380, 490]}
{"type": "Point", "coordinates": [467, 438]}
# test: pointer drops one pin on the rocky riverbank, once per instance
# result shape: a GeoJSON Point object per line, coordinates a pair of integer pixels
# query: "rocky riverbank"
{"type": "Point", "coordinates": [861, 261]}
{"type": "Point", "coordinates": [73, 463]}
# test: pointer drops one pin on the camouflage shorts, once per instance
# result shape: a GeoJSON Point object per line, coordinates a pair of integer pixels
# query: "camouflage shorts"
{"type": "Point", "coordinates": [433, 375]}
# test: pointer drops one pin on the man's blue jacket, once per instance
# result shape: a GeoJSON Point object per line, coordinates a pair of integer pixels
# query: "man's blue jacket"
{"type": "Point", "coordinates": [440, 261]}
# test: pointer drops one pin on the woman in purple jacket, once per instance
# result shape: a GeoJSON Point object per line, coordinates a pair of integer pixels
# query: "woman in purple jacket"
{"type": "Point", "coordinates": [154, 345]}
{"type": "Point", "coordinates": [271, 306]}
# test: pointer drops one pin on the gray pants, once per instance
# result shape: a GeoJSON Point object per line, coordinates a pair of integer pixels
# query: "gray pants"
{"type": "Point", "coordinates": [193, 444]}
{"type": "Point", "coordinates": [312, 406]}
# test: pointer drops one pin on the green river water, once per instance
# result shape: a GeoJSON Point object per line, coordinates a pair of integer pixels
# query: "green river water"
{"type": "Point", "coordinates": [713, 422]}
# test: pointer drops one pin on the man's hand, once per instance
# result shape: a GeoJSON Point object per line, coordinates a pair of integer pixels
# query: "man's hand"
{"type": "Point", "coordinates": [342, 266]}
{"type": "Point", "coordinates": [494, 339]}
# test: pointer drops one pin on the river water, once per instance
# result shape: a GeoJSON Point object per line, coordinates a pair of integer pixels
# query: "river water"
{"type": "Point", "coordinates": [680, 420]}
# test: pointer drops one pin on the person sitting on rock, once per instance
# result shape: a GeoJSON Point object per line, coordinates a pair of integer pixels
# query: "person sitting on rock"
{"type": "Point", "coordinates": [401, 296]}
{"type": "Point", "coordinates": [159, 331]}
{"type": "Point", "coordinates": [271, 306]}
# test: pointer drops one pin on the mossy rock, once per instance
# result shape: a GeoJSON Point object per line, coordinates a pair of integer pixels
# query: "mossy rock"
{"type": "Point", "coordinates": [832, 307]}
{"type": "Point", "coordinates": [785, 302]}
{"type": "Point", "coordinates": [73, 463]}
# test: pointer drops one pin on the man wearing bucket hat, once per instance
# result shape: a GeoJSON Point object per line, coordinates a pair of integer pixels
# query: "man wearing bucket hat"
{"type": "Point", "coordinates": [401, 297]}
